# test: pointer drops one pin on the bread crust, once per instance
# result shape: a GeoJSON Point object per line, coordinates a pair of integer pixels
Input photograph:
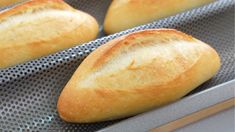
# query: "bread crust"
{"type": "Point", "coordinates": [125, 14]}
{"type": "Point", "coordinates": [9, 2]}
{"type": "Point", "coordinates": [41, 27]}
{"type": "Point", "coordinates": [110, 85]}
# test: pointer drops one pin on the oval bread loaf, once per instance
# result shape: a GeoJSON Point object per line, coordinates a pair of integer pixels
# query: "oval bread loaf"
{"type": "Point", "coordinates": [135, 73]}
{"type": "Point", "coordinates": [41, 27]}
{"type": "Point", "coordinates": [9, 2]}
{"type": "Point", "coordinates": [124, 14]}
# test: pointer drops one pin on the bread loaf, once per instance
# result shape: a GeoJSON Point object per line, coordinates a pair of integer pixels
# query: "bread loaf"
{"type": "Point", "coordinates": [124, 14]}
{"type": "Point", "coordinates": [9, 2]}
{"type": "Point", "coordinates": [41, 27]}
{"type": "Point", "coordinates": [135, 73]}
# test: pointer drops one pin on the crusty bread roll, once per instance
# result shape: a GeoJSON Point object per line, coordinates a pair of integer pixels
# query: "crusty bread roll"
{"type": "Point", "coordinates": [124, 14]}
{"type": "Point", "coordinates": [40, 27]}
{"type": "Point", "coordinates": [9, 2]}
{"type": "Point", "coordinates": [135, 73]}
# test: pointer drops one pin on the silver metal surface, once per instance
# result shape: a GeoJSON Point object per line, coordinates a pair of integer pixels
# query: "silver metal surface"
{"type": "Point", "coordinates": [220, 122]}
{"type": "Point", "coordinates": [188, 105]}
{"type": "Point", "coordinates": [29, 92]}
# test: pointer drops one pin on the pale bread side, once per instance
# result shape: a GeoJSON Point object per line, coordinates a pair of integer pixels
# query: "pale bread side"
{"type": "Point", "coordinates": [135, 73]}
{"type": "Point", "coordinates": [125, 14]}
{"type": "Point", "coordinates": [41, 27]}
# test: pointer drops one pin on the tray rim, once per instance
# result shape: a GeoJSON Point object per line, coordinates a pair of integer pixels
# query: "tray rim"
{"type": "Point", "coordinates": [173, 111]}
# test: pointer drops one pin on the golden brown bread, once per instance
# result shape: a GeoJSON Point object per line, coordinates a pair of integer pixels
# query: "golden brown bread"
{"type": "Point", "coordinates": [124, 14]}
{"type": "Point", "coordinates": [41, 27]}
{"type": "Point", "coordinates": [135, 73]}
{"type": "Point", "coordinates": [9, 2]}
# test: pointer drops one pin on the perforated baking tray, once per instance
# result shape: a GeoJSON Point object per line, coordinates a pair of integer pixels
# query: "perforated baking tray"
{"type": "Point", "coordinates": [29, 92]}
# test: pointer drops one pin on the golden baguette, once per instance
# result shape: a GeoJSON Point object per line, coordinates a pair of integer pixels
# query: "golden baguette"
{"type": "Point", "coordinates": [9, 2]}
{"type": "Point", "coordinates": [135, 73]}
{"type": "Point", "coordinates": [41, 27]}
{"type": "Point", "coordinates": [124, 14]}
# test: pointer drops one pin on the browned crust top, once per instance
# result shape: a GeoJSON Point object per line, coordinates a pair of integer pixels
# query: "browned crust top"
{"type": "Point", "coordinates": [33, 6]}
{"type": "Point", "coordinates": [116, 44]}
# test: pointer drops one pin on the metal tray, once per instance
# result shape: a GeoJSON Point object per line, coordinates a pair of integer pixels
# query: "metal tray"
{"type": "Point", "coordinates": [29, 92]}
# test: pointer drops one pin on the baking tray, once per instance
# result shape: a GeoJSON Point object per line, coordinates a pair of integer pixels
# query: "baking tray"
{"type": "Point", "coordinates": [29, 91]}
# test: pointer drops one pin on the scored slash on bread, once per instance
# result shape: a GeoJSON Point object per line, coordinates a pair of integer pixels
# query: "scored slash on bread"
{"type": "Point", "coordinates": [40, 27]}
{"type": "Point", "coordinates": [135, 73]}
